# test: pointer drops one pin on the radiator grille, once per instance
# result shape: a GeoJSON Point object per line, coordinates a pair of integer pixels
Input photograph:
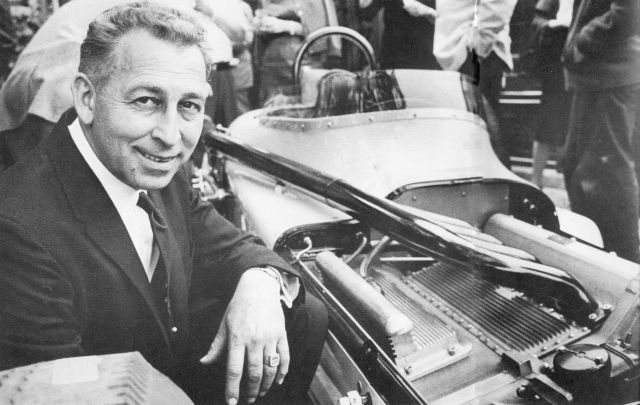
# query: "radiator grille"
{"type": "Point", "coordinates": [513, 321]}
{"type": "Point", "coordinates": [427, 329]}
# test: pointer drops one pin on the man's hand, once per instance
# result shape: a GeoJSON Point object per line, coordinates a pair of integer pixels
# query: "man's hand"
{"type": "Point", "coordinates": [558, 23]}
{"type": "Point", "coordinates": [273, 25]}
{"type": "Point", "coordinates": [417, 9]}
{"type": "Point", "coordinates": [252, 328]}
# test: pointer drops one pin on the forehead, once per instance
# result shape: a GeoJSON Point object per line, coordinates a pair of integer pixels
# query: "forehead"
{"type": "Point", "coordinates": [140, 59]}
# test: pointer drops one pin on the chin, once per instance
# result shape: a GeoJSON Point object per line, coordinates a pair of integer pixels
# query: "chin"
{"type": "Point", "coordinates": [149, 182]}
{"type": "Point", "coordinates": [155, 183]}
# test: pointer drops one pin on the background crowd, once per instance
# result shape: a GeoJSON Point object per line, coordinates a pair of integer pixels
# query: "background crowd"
{"type": "Point", "coordinates": [584, 54]}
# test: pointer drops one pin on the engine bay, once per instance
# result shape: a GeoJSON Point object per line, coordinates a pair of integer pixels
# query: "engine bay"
{"type": "Point", "coordinates": [470, 336]}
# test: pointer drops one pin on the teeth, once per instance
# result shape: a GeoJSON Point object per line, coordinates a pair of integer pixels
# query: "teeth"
{"type": "Point", "coordinates": [156, 158]}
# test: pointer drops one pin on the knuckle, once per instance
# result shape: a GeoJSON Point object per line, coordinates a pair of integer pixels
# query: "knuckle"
{"type": "Point", "coordinates": [234, 374]}
{"type": "Point", "coordinates": [283, 371]}
{"type": "Point", "coordinates": [254, 373]}
{"type": "Point", "coordinates": [270, 371]}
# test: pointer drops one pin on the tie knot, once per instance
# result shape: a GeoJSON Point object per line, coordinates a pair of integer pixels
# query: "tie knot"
{"type": "Point", "coordinates": [145, 202]}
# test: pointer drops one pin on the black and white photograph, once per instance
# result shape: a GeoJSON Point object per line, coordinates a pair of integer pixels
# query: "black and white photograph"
{"type": "Point", "coordinates": [320, 202]}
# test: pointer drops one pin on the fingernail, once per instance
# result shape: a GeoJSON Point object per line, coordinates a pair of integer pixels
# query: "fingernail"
{"type": "Point", "coordinates": [262, 393]}
{"type": "Point", "coordinates": [251, 400]}
{"type": "Point", "coordinates": [279, 381]}
{"type": "Point", "coordinates": [232, 401]}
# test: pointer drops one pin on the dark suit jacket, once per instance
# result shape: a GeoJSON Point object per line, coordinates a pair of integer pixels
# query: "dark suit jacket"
{"type": "Point", "coordinates": [71, 282]}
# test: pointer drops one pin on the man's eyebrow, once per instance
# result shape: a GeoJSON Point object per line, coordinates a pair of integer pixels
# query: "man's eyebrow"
{"type": "Point", "coordinates": [149, 88]}
{"type": "Point", "coordinates": [193, 94]}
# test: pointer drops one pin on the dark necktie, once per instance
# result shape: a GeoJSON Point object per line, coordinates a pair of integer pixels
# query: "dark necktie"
{"type": "Point", "coordinates": [161, 279]}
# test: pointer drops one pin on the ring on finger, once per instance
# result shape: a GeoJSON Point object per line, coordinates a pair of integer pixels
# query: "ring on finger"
{"type": "Point", "coordinates": [272, 360]}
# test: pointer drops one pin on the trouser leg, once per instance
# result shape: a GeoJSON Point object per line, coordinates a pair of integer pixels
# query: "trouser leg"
{"type": "Point", "coordinates": [599, 165]}
{"type": "Point", "coordinates": [306, 332]}
{"type": "Point", "coordinates": [487, 74]}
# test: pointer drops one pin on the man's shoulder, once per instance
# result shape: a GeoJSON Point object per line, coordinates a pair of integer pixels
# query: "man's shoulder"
{"type": "Point", "coordinates": [26, 187]}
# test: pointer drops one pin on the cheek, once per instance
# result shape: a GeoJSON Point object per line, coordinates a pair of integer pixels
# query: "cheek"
{"type": "Point", "coordinates": [191, 134]}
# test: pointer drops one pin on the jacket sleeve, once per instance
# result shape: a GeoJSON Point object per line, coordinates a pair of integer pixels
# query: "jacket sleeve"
{"type": "Point", "coordinates": [37, 320]}
{"type": "Point", "coordinates": [223, 252]}
{"type": "Point", "coordinates": [620, 22]}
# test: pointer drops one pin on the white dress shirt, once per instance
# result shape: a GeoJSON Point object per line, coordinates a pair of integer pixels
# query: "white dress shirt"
{"type": "Point", "coordinates": [463, 25]}
{"type": "Point", "coordinates": [125, 199]}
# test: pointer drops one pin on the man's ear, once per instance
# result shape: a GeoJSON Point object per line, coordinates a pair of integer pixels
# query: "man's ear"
{"type": "Point", "coordinates": [84, 98]}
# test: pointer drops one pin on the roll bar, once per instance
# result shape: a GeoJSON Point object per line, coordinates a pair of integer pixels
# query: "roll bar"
{"type": "Point", "coordinates": [360, 41]}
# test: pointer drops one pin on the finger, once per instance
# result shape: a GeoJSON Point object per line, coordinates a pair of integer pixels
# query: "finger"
{"type": "Point", "coordinates": [217, 347]}
{"type": "Point", "coordinates": [235, 362]}
{"type": "Point", "coordinates": [269, 372]}
{"type": "Point", "coordinates": [283, 368]}
{"type": "Point", "coordinates": [254, 372]}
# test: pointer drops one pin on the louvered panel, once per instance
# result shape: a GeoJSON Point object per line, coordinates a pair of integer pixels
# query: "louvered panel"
{"type": "Point", "coordinates": [427, 329]}
{"type": "Point", "coordinates": [516, 323]}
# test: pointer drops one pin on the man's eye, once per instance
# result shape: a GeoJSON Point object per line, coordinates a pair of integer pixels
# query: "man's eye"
{"type": "Point", "coordinates": [191, 106]}
{"type": "Point", "coordinates": [147, 101]}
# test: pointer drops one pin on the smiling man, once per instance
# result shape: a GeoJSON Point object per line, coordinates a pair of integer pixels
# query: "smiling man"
{"type": "Point", "coordinates": [105, 248]}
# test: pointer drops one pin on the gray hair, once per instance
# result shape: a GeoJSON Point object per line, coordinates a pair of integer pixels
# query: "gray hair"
{"type": "Point", "coordinates": [164, 23]}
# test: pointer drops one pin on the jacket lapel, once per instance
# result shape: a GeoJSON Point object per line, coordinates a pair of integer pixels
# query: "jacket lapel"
{"type": "Point", "coordinates": [91, 204]}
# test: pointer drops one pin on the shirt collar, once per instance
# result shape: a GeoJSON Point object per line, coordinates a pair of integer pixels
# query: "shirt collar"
{"type": "Point", "coordinates": [122, 195]}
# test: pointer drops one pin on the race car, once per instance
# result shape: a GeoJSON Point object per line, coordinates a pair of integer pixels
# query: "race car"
{"type": "Point", "coordinates": [448, 278]}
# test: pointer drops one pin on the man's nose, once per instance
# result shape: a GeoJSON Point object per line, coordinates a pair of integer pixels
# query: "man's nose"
{"type": "Point", "coordinates": [167, 129]}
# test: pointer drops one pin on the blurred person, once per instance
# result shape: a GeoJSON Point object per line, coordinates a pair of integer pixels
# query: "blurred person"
{"type": "Point", "coordinates": [601, 156]}
{"type": "Point", "coordinates": [407, 37]}
{"type": "Point", "coordinates": [7, 39]}
{"type": "Point", "coordinates": [232, 80]}
{"type": "Point", "coordinates": [551, 24]}
{"type": "Point", "coordinates": [281, 26]}
{"type": "Point", "coordinates": [472, 37]}
{"type": "Point", "coordinates": [37, 92]}
{"type": "Point", "coordinates": [106, 248]}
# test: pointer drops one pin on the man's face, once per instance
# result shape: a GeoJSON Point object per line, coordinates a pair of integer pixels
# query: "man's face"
{"type": "Point", "coordinates": [148, 114]}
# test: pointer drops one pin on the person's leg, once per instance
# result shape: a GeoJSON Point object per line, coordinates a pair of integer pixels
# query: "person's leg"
{"type": "Point", "coordinates": [540, 155]}
{"type": "Point", "coordinates": [487, 74]}
{"type": "Point", "coordinates": [306, 332]}
{"type": "Point", "coordinates": [601, 179]}
{"type": "Point", "coordinates": [243, 100]}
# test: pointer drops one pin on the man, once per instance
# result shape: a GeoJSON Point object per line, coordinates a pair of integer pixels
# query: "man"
{"type": "Point", "coordinates": [407, 39]}
{"type": "Point", "coordinates": [602, 67]}
{"type": "Point", "coordinates": [104, 249]}
{"type": "Point", "coordinates": [472, 37]}
{"type": "Point", "coordinates": [36, 92]}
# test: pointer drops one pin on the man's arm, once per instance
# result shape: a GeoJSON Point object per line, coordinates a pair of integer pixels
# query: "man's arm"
{"type": "Point", "coordinates": [620, 22]}
{"type": "Point", "coordinates": [223, 249]}
{"type": "Point", "coordinates": [489, 21]}
{"type": "Point", "coordinates": [253, 324]}
{"type": "Point", "coordinates": [37, 321]}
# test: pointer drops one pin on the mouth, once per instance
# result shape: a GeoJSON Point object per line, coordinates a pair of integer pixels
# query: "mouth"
{"type": "Point", "coordinates": [156, 158]}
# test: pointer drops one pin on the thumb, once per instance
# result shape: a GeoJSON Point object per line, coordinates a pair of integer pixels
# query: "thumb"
{"type": "Point", "coordinates": [217, 347]}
